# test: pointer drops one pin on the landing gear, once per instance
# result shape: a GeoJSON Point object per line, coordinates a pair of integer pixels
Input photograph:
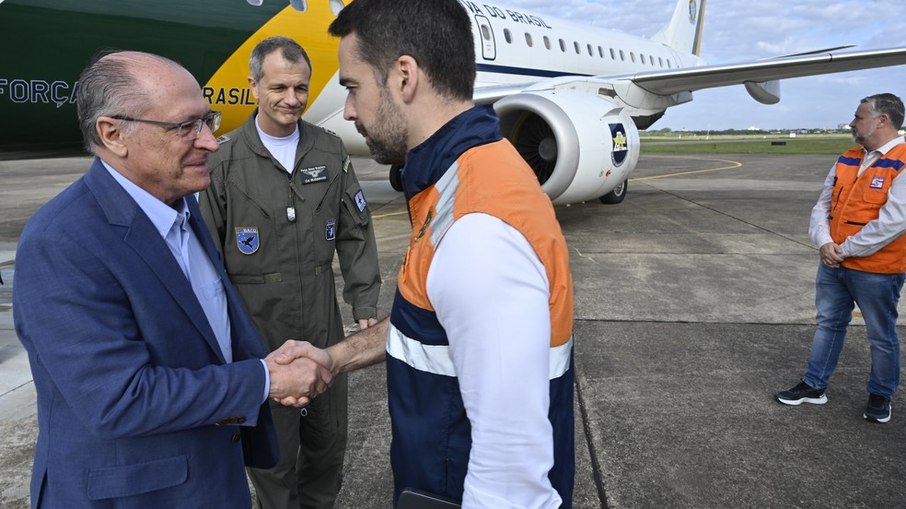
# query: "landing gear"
{"type": "Point", "coordinates": [617, 195]}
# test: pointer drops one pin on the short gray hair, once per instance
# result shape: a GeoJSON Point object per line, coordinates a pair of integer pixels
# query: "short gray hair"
{"type": "Point", "coordinates": [292, 52]}
{"type": "Point", "coordinates": [887, 104]}
{"type": "Point", "coordinates": [108, 86]}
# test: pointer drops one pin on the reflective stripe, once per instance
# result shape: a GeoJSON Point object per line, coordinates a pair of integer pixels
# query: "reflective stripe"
{"type": "Point", "coordinates": [559, 359]}
{"type": "Point", "coordinates": [446, 189]}
{"type": "Point", "coordinates": [436, 359]}
{"type": "Point", "coordinates": [429, 358]}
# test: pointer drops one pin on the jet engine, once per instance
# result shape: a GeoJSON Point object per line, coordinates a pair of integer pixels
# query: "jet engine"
{"type": "Point", "coordinates": [581, 147]}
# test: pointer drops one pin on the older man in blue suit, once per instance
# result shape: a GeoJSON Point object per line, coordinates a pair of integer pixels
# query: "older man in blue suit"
{"type": "Point", "coordinates": [151, 379]}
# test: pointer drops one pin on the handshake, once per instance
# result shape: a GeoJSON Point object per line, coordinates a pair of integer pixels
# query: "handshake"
{"type": "Point", "coordinates": [300, 371]}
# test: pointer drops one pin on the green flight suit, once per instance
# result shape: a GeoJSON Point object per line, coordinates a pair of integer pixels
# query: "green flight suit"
{"type": "Point", "coordinates": [278, 233]}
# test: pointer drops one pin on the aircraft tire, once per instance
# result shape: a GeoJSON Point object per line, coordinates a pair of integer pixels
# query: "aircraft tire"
{"type": "Point", "coordinates": [617, 195]}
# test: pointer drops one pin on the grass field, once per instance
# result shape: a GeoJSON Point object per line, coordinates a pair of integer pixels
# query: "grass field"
{"type": "Point", "coordinates": [803, 144]}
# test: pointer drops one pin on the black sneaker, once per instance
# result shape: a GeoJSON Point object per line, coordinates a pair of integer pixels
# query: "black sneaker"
{"type": "Point", "coordinates": [878, 409]}
{"type": "Point", "coordinates": [802, 393]}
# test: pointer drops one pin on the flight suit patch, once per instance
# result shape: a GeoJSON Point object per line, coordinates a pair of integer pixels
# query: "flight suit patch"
{"type": "Point", "coordinates": [314, 174]}
{"type": "Point", "coordinates": [330, 230]}
{"type": "Point", "coordinates": [877, 183]}
{"type": "Point", "coordinates": [247, 239]}
{"type": "Point", "coordinates": [360, 201]}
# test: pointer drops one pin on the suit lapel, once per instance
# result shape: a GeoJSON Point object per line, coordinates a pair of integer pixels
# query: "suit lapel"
{"type": "Point", "coordinates": [140, 234]}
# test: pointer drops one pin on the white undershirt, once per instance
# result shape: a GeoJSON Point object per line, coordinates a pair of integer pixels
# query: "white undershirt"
{"type": "Point", "coordinates": [490, 292]}
{"type": "Point", "coordinates": [282, 149]}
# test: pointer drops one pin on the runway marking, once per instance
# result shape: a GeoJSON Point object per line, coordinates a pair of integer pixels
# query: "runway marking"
{"type": "Point", "coordinates": [584, 256]}
{"type": "Point", "coordinates": [733, 165]}
{"type": "Point", "coordinates": [389, 214]}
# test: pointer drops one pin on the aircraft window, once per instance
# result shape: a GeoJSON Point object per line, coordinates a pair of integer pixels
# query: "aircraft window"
{"type": "Point", "coordinates": [642, 56]}
{"type": "Point", "coordinates": [336, 6]}
{"type": "Point", "coordinates": [600, 52]}
{"type": "Point", "coordinates": [299, 5]}
{"type": "Point", "coordinates": [576, 47]}
{"type": "Point", "coordinates": [613, 56]}
{"type": "Point", "coordinates": [547, 42]}
{"type": "Point", "coordinates": [591, 52]}
{"type": "Point", "coordinates": [562, 46]}
{"type": "Point", "coordinates": [528, 39]}
{"type": "Point", "coordinates": [632, 56]}
{"type": "Point", "coordinates": [485, 33]}
{"type": "Point", "coordinates": [255, 3]}
{"type": "Point", "coordinates": [669, 66]}
{"type": "Point", "coordinates": [507, 36]}
{"type": "Point", "coordinates": [651, 58]}
{"type": "Point", "coordinates": [622, 56]}
{"type": "Point", "coordinates": [660, 61]}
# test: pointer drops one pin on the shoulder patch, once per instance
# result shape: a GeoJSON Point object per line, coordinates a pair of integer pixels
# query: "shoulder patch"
{"type": "Point", "coordinates": [346, 163]}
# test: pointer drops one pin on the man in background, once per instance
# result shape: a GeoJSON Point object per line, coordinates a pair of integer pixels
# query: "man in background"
{"type": "Point", "coordinates": [283, 198]}
{"type": "Point", "coordinates": [857, 225]}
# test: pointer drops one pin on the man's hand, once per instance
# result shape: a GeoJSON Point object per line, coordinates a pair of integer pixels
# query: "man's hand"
{"type": "Point", "coordinates": [296, 380]}
{"type": "Point", "coordinates": [831, 255]}
{"type": "Point", "coordinates": [364, 323]}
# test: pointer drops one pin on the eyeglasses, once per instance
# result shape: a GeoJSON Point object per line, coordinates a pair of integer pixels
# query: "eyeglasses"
{"type": "Point", "coordinates": [190, 129]}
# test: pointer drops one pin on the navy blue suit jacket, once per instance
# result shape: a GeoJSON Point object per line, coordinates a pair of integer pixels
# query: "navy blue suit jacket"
{"type": "Point", "coordinates": [136, 406]}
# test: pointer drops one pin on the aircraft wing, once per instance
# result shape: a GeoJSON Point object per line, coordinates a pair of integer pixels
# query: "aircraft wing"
{"type": "Point", "coordinates": [689, 79]}
{"type": "Point", "coordinates": [710, 76]}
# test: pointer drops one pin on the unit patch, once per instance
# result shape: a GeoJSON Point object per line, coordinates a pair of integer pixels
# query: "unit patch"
{"type": "Point", "coordinates": [314, 174]}
{"type": "Point", "coordinates": [620, 149]}
{"type": "Point", "coordinates": [360, 201]}
{"type": "Point", "coordinates": [247, 239]}
{"type": "Point", "coordinates": [877, 183]}
{"type": "Point", "coordinates": [330, 230]}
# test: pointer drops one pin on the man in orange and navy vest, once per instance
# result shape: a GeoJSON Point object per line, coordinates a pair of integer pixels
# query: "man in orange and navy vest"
{"type": "Point", "coordinates": [479, 341]}
{"type": "Point", "coordinates": [858, 224]}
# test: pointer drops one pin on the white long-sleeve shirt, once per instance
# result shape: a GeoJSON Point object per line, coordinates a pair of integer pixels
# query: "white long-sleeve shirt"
{"type": "Point", "coordinates": [490, 293]}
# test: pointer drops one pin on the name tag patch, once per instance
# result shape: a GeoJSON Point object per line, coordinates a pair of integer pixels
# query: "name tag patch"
{"type": "Point", "coordinates": [330, 230]}
{"type": "Point", "coordinates": [877, 183]}
{"type": "Point", "coordinates": [360, 201]}
{"type": "Point", "coordinates": [314, 174]}
{"type": "Point", "coordinates": [247, 239]}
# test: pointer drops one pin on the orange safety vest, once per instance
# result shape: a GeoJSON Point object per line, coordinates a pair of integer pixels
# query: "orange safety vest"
{"type": "Point", "coordinates": [522, 205]}
{"type": "Point", "coordinates": [857, 199]}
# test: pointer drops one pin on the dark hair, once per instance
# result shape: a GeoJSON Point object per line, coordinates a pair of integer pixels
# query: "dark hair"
{"type": "Point", "coordinates": [436, 33]}
{"type": "Point", "coordinates": [887, 104]}
{"type": "Point", "coordinates": [110, 86]}
{"type": "Point", "coordinates": [292, 52]}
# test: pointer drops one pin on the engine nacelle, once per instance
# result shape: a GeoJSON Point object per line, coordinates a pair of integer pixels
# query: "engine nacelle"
{"type": "Point", "coordinates": [580, 146]}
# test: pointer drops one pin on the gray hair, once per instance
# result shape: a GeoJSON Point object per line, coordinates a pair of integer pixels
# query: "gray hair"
{"type": "Point", "coordinates": [292, 52]}
{"type": "Point", "coordinates": [886, 104]}
{"type": "Point", "coordinates": [109, 86]}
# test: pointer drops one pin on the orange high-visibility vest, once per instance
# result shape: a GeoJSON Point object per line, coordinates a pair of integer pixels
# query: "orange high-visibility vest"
{"type": "Point", "coordinates": [857, 199]}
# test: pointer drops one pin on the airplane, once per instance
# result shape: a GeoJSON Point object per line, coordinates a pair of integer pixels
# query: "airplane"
{"type": "Point", "coordinates": [571, 98]}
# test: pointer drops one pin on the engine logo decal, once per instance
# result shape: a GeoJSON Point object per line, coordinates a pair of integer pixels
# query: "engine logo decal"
{"type": "Point", "coordinates": [620, 149]}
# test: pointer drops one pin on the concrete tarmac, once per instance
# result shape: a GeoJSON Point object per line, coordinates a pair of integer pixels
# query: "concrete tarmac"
{"type": "Point", "coordinates": [694, 304]}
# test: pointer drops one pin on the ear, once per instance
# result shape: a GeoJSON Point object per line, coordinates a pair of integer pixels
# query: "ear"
{"type": "Point", "coordinates": [409, 73]}
{"type": "Point", "coordinates": [254, 86]}
{"type": "Point", "coordinates": [111, 135]}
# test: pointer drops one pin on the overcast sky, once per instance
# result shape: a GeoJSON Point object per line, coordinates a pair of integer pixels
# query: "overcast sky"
{"type": "Point", "coordinates": [743, 30]}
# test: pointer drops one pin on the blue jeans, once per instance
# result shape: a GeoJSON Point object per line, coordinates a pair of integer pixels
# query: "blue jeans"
{"type": "Point", "coordinates": [836, 292]}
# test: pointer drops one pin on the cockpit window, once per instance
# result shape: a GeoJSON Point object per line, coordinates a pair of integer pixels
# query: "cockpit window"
{"type": "Point", "coordinates": [255, 3]}
{"type": "Point", "coordinates": [336, 6]}
{"type": "Point", "coordinates": [299, 5]}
